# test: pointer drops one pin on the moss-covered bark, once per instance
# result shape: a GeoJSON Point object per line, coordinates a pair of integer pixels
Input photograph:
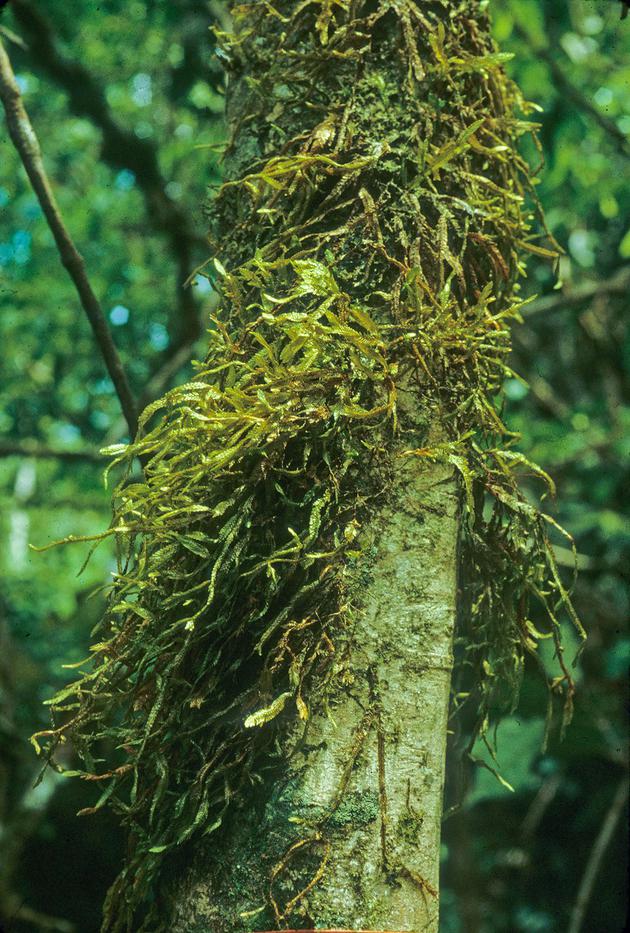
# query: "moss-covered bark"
{"type": "Point", "coordinates": [274, 664]}
{"type": "Point", "coordinates": [347, 833]}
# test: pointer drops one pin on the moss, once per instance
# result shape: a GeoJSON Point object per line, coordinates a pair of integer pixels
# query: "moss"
{"type": "Point", "coordinates": [357, 808]}
{"type": "Point", "coordinates": [372, 227]}
{"type": "Point", "coordinates": [409, 828]}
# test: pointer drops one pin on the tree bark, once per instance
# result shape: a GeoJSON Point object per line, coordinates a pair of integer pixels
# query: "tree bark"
{"type": "Point", "coordinates": [286, 662]}
{"type": "Point", "coordinates": [365, 778]}
{"type": "Point", "coordinates": [347, 834]}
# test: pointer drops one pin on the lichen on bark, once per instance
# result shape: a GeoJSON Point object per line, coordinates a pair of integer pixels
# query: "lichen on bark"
{"type": "Point", "coordinates": [274, 667]}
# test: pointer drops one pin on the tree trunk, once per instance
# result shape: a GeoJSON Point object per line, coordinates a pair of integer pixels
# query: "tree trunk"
{"type": "Point", "coordinates": [347, 834]}
{"type": "Point", "coordinates": [275, 674]}
{"type": "Point", "coordinates": [350, 833]}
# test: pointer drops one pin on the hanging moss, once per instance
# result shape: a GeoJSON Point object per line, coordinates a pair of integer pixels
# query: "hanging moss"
{"type": "Point", "coordinates": [368, 239]}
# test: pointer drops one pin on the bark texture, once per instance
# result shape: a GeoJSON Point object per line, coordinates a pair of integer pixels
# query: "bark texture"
{"type": "Point", "coordinates": [349, 836]}
{"type": "Point", "coordinates": [345, 833]}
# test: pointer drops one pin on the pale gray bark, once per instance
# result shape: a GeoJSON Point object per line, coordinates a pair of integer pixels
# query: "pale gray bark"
{"type": "Point", "coordinates": [366, 776]}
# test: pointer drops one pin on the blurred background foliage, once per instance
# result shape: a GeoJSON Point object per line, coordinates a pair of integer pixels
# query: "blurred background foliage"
{"type": "Point", "coordinates": [127, 100]}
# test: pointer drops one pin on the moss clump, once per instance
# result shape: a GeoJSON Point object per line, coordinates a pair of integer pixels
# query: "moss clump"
{"type": "Point", "coordinates": [357, 808]}
{"type": "Point", "coordinates": [369, 235]}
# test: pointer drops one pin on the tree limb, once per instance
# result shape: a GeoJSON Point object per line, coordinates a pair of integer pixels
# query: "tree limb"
{"type": "Point", "coordinates": [121, 148]}
{"type": "Point", "coordinates": [572, 298]}
{"type": "Point", "coordinates": [173, 360]}
{"type": "Point", "coordinates": [27, 145]}
{"type": "Point", "coordinates": [597, 854]}
{"type": "Point", "coordinates": [563, 84]}
{"type": "Point", "coordinates": [582, 102]}
{"type": "Point", "coordinates": [573, 93]}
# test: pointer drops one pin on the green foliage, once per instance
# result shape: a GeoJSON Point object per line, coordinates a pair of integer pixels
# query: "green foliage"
{"type": "Point", "coordinates": [515, 860]}
{"type": "Point", "coordinates": [373, 259]}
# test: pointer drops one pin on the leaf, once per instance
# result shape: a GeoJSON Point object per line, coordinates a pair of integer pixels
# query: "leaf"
{"type": "Point", "coordinates": [315, 516]}
{"type": "Point", "coordinates": [302, 708]}
{"type": "Point", "coordinates": [314, 278]}
{"type": "Point", "coordinates": [538, 250]}
{"type": "Point", "coordinates": [114, 450]}
{"type": "Point", "coordinates": [262, 716]}
{"type": "Point", "coordinates": [452, 149]}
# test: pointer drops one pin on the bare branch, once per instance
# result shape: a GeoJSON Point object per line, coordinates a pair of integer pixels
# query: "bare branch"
{"type": "Point", "coordinates": [121, 149]}
{"type": "Point", "coordinates": [564, 84]}
{"type": "Point", "coordinates": [597, 854]}
{"type": "Point", "coordinates": [572, 298]}
{"type": "Point", "coordinates": [540, 803]}
{"type": "Point", "coordinates": [27, 145]}
{"type": "Point", "coordinates": [41, 921]}
{"type": "Point", "coordinates": [177, 358]}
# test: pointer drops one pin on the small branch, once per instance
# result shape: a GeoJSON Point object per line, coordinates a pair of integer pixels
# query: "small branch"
{"type": "Point", "coordinates": [572, 298]}
{"type": "Point", "coordinates": [573, 93]}
{"type": "Point", "coordinates": [545, 796]}
{"type": "Point", "coordinates": [30, 448]}
{"type": "Point", "coordinates": [160, 379]}
{"type": "Point", "coordinates": [25, 914]}
{"type": "Point", "coordinates": [178, 357]}
{"type": "Point", "coordinates": [27, 145]}
{"type": "Point", "coordinates": [121, 149]}
{"type": "Point", "coordinates": [597, 854]}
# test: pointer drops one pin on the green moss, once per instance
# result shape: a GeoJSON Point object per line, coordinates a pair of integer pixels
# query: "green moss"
{"type": "Point", "coordinates": [371, 229]}
{"type": "Point", "coordinates": [357, 808]}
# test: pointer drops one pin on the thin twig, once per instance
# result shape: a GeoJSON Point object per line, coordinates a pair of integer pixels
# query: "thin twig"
{"type": "Point", "coordinates": [24, 914]}
{"type": "Point", "coordinates": [121, 148]}
{"type": "Point", "coordinates": [27, 145]}
{"type": "Point", "coordinates": [564, 84]}
{"type": "Point", "coordinates": [545, 796]}
{"type": "Point", "coordinates": [597, 854]}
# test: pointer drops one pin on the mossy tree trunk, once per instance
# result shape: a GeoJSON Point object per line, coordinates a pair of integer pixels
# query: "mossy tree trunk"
{"type": "Point", "coordinates": [346, 833]}
{"type": "Point", "coordinates": [274, 669]}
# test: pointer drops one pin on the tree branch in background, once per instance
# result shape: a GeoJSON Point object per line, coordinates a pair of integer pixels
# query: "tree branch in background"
{"type": "Point", "coordinates": [121, 148]}
{"type": "Point", "coordinates": [564, 85]}
{"type": "Point", "coordinates": [618, 284]}
{"type": "Point", "coordinates": [159, 380]}
{"type": "Point", "coordinates": [154, 388]}
{"type": "Point", "coordinates": [597, 854]}
{"type": "Point", "coordinates": [27, 146]}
